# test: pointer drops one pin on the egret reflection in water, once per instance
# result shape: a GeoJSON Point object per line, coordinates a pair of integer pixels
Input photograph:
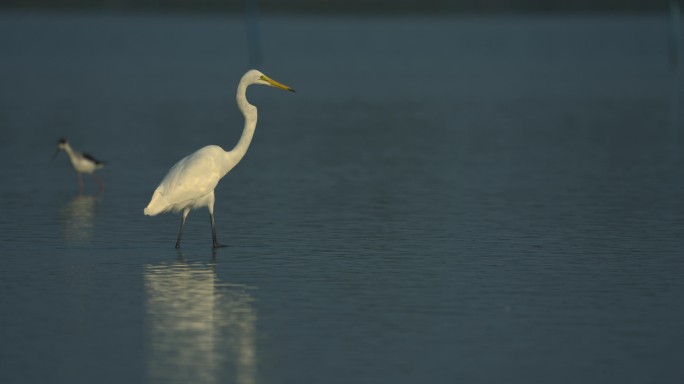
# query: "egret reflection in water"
{"type": "Point", "coordinates": [201, 329]}
{"type": "Point", "coordinates": [77, 219]}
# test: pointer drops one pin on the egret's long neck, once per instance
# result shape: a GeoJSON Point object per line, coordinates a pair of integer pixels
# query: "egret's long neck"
{"type": "Point", "coordinates": [250, 113]}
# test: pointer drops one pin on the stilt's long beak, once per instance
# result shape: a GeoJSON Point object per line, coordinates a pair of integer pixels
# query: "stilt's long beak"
{"type": "Point", "coordinates": [56, 153]}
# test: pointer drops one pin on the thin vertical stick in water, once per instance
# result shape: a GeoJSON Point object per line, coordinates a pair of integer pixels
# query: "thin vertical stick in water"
{"type": "Point", "coordinates": [253, 33]}
{"type": "Point", "coordinates": [675, 99]}
{"type": "Point", "coordinates": [675, 33]}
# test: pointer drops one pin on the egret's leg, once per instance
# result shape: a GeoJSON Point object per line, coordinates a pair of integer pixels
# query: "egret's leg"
{"type": "Point", "coordinates": [213, 232]}
{"type": "Point", "coordinates": [99, 183]}
{"type": "Point", "coordinates": [210, 206]}
{"type": "Point", "coordinates": [80, 182]}
{"type": "Point", "coordinates": [180, 232]}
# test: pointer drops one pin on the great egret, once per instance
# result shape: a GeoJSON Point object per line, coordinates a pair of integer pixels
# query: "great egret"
{"type": "Point", "coordinates": [191, 182]}
{"type": "Point", "coordinates": [82, 162]}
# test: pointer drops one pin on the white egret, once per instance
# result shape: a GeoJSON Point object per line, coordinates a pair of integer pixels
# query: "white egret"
{"type": "Point", "coordinates": [82, 162]}
{"type": "Point", "coordinates": [191, 182]}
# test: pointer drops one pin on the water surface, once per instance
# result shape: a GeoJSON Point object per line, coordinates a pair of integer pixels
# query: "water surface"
{"type": "Point", "coordinates": [454, 199]}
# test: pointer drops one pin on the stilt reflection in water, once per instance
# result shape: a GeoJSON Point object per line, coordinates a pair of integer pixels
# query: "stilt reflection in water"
{"type": "Point", "coordinates": [76, 219]}
{"type": "Point", "coordinates": [201, 330]}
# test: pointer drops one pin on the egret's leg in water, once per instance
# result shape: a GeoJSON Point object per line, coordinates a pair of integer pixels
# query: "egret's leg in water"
{"type": "Point", "coordinates": [210, 206]}
{"type": "Point", "coordinates": [180, 232]}
{"type": "Point", "coordinates": [213, 232]}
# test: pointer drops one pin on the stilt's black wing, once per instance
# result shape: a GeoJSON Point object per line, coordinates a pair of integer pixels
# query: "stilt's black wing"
{"type": "Point", "coordinates": [91, 158]}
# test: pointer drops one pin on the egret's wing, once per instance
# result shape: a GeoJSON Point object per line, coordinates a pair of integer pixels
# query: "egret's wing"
{"type": "Point", "coordinates": [192, 177]}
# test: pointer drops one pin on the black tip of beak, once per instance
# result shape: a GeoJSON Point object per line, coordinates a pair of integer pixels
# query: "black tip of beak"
{"type": "Point", "coordinates": [291, 90]}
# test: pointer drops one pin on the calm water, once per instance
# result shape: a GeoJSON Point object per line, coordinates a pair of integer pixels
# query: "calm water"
{"type": "Point", "coordinates": [444, 200]}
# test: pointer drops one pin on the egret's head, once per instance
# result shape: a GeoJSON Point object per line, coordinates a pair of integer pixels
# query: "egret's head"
{"type": "Point", "coordinates": [257, 77]}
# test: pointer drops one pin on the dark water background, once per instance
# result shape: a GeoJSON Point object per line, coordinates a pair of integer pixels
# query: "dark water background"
{"type": "Point", "coordinates": [445, 199]}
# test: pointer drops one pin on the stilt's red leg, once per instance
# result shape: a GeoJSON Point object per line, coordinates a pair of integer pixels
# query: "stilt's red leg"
{"type": "Point", "coordinates": [80, 183]}
{"type": "Point", "coordinates": [100, 185]}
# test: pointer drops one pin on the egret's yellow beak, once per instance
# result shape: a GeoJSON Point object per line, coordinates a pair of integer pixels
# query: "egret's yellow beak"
{"type": "Point", "coordinates": [276, 84]}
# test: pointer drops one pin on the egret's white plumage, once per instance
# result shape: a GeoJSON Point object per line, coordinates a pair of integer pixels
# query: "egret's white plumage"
{"type": "Point", "coordinates": [82, 163]}
{"type": "Point", "coordinates": [190, 182]}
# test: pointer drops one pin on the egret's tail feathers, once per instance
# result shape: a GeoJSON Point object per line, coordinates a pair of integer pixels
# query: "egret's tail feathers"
{"type": "Point", "coordinates": [156, 205]}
